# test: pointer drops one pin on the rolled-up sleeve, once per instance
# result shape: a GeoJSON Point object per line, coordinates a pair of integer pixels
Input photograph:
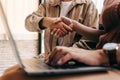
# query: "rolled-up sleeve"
{"type": "Point", "coordinates": [32, 21]}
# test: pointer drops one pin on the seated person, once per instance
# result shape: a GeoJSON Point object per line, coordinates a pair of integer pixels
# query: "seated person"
{"type": "Point", "coordinates": [111, 23]}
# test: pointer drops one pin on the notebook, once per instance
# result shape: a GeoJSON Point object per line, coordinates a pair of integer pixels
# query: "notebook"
{"type": "Point", "coordinates": [37, 66]}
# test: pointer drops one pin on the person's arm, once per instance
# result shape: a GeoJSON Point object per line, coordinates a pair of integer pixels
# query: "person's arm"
{"type": "Point", "coordinates": [90, 33]}
{"type": "Point", "coordinates": [60, 55]}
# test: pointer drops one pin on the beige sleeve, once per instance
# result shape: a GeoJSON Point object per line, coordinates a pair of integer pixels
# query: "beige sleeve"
{"type": "Point", "coordinates": [92, 16]}
{"type": "Point", "coordinates": [32, 20]}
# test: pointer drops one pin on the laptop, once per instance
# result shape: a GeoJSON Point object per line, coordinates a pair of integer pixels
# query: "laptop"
{"type": "Point", "coordinates": [37, 66]}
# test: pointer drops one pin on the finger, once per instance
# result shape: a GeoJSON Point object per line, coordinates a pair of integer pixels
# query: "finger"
{"type": "Point", "coordinates": [53, 31]}
{"type": "Point", "coordinates": [68, 28]}
{"type": "Point", "coordinates": [53, 53]}
{"type": "Point", "coordinates": [63, 29]}
{"type": "Point", "coordinates": [59, 33]}
{"type": "Point", "coordinates": [64, 59]}
{"type": "Point", "coordinates": [57, 20]}
{"type": "Point", "coordinates": [58, 55]}
{"type": "Point", "coordinates": [66, 20]}
{"type": "Point", "coordinates": [47, 58]}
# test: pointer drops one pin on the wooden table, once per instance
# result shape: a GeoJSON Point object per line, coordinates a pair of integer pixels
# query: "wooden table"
{"type": "Point", "coordinates": [15, 73]}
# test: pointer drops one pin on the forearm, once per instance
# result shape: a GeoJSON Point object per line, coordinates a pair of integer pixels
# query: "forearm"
{"type": "Point", "coordinates": [90, 33]}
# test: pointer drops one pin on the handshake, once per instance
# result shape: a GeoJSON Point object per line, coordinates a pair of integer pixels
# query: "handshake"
{"type": "Point", "coordinates": [59, 27]}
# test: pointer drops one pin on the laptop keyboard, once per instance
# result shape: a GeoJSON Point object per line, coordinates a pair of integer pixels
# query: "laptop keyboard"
{"type": "Point", "coordinates": [39, 64]}
{"type": "Point", "coordinates": [38, 67]}
{"type": "Point", "coordinates": [36, 64]}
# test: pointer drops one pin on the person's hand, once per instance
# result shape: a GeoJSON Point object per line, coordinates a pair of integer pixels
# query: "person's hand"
{"type": "Point", "coordinates": [60, 33]}
{"type": "Point", "coordinates": [60, 55]}
{"type": "Point", "coordinates": [57, 32]}
{"type": "Point", "coordinates": [60, 26]}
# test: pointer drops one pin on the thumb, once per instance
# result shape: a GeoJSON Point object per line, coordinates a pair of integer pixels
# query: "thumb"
{"type": "Point", "coordinates": [57, 20]}
{"type": "Point", "coordinates": [66, 20]}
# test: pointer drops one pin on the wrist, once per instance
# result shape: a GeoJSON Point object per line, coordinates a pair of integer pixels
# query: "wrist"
{"type": "Point", "coordinates": [103, 57]}
{"type": "Point", "coordinates": [40, 25]}
{"type": "Point", "coordinates": [111, 50]}
{"type": "Point", "coordinates": [47, 22]}
{"type": "Point", "coordinates": [74, 25]}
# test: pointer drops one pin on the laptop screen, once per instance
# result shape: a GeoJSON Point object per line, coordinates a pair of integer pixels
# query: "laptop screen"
{"type": "Point", "coordinates": [10, 37]}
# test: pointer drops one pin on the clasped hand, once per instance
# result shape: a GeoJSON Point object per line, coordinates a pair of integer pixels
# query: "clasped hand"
{"type": "Point", "coordinates": [61, 27]}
